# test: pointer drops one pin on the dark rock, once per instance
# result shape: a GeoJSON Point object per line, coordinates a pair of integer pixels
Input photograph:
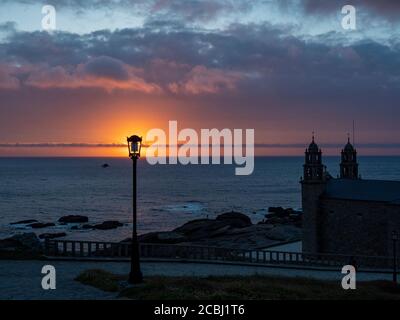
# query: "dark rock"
{"type": "Point", "coordinates": [220, 233]}
{"type": "Point", "coordinates": [236, 219]}
{"type": "Point", "coordinates": [151, 237]}
{"type": "Point", "coordinates": [21, 242]}
{"type": "Point", "coordinates": [200, 229]}
{"type": "Point", "coordinates": [208, 228]}
{"type": "Point", "coordinates": [276, 220]}
{"type": "Point", "coordinates": [232, 229]}
{"type": "Point", "coordinates": [161, 237]}
{"type": "Point", "coordinates": [193, 225]}
{"type": "Point", "coordinates": [107, 225]}
{"type": "Point", "coordinates": [52, 235]}
{"type": "Point", "coordinates": [39, 225]}
{"type": "Point", "coordinates": [279, 212]}
{"type": "Point", "coordinates": [284, 233]}
{"type": "Point", "coordinates": [296, 217]}
{"type": "Point", "coordinates": [73, 219]}
{"type": "Point", "coordinates": [105, 165]}
{"type": "Point", "coordinates": [24, 221]}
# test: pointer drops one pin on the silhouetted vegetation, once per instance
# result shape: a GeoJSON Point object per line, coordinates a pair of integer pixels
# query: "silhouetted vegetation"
{"type": "Point", "coordinates": [229, 287]}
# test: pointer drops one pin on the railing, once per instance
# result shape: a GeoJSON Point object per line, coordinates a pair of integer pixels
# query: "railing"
{"type": "Point", "coordinates": [98, 250]}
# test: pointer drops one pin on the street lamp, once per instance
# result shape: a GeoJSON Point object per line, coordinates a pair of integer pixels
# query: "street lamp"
{"type": "Point", "coordinates": [395, 238]}
{"type": "Point", "coordinates": [134, 147]}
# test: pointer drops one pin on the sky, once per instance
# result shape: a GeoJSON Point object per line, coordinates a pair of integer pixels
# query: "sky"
{"type": "Point", "coordinates": [284, 68]}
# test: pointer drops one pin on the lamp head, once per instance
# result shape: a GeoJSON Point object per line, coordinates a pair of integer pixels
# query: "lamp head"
{"type": "Point", "coordinates": [134, 146]}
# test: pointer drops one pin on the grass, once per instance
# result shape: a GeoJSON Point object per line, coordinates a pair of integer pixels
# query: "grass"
{"type": "Point", "coordinates": [19, 255]}
{"type": "Point", "coordinates": [237, 288]}
{"type": "Point", "coordinates": [100, 279]}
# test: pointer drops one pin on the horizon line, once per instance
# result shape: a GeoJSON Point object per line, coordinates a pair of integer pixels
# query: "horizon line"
{"type": "Point", "coordinates": [256, 145]}
{"type": "Point", "coordinates": [144, 157]}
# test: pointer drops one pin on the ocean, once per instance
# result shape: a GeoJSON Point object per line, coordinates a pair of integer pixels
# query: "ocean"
{"type": "Point", "coordinates": [168, 195]}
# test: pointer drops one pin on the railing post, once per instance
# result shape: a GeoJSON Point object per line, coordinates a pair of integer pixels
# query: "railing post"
{"type": "Point", "coordinates": [56, 247]}
{"type": "Point", "coordinates": [65, 248]}
{"type": "Point", "coordinates": [151, 251]}
{"type": "Point", "coordinates": [89, 249]}
{"type": "Point", "coordinates": [73, 248]}
{"type": "Point", "coordinates": [46, 246]}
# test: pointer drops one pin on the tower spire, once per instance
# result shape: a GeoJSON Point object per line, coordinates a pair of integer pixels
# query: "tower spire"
{"type": "Point", "coordinates": [313, 167]}
{"type": "Point", "coordinates": [349, 165]}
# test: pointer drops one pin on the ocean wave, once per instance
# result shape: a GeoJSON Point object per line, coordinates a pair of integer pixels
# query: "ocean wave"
{"type": "Point", "coordinates": [185, 207]}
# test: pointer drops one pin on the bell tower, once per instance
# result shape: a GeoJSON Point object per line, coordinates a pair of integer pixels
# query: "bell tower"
{"type": "Point", "coordinates": [349, 165]}
{"type": "Point", "coordinates": [313, 185]}
{"type": "Point", "coordinates": [313, 167]}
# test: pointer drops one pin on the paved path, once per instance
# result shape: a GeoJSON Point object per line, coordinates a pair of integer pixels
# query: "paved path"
{"type": "Point", "coordinates": [22, 279]}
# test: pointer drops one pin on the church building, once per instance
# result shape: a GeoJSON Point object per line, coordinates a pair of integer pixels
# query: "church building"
{"type": "Point", "coordinates": [347, 215]}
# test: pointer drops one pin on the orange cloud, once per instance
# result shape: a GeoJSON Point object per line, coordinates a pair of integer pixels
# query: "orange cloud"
{"type": "Point", "coordinates": [7, 78]}
{"type": "Point", "coordinates": [113, 74]}
{"type": "Point", "coordinates": [204, 80]}
{"type": "Point", "coordinates": [59, 77]}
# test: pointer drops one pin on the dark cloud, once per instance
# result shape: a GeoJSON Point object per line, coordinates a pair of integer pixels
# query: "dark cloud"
{"type": "Point", "coordinates": [106, 67]}
{"type": "Point", "coordinates": [180, 60]}
{"type": "Point", "coordinates": [8, 26]}
{"type": "Point", "coordinates": [198, 10]}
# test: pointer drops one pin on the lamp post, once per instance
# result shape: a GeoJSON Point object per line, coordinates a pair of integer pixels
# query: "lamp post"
{"type": "Point", "coordinates": [134, 147]}
{"type": "Point", "coordinates": [395, 238]}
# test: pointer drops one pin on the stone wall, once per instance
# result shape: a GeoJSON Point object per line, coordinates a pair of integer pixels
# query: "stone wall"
{"type": "Point", "coordinates": [357, 227]}
{"type": "Point", "coordinates": [311, 192]}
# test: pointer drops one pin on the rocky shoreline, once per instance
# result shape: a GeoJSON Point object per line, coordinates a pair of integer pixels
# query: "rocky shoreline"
{"type": "Point", "coordinates": [234, 229]}
{"type": "Point", "coordinates": [75, 222]}
{"type": "Point", "coordinates": [231, 229]}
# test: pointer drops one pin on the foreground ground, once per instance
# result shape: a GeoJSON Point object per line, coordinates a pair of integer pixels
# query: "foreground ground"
{"type": "Point", "coordinates": [22, 279]}
{"type": "Point", "coordinates": [235, 288]}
